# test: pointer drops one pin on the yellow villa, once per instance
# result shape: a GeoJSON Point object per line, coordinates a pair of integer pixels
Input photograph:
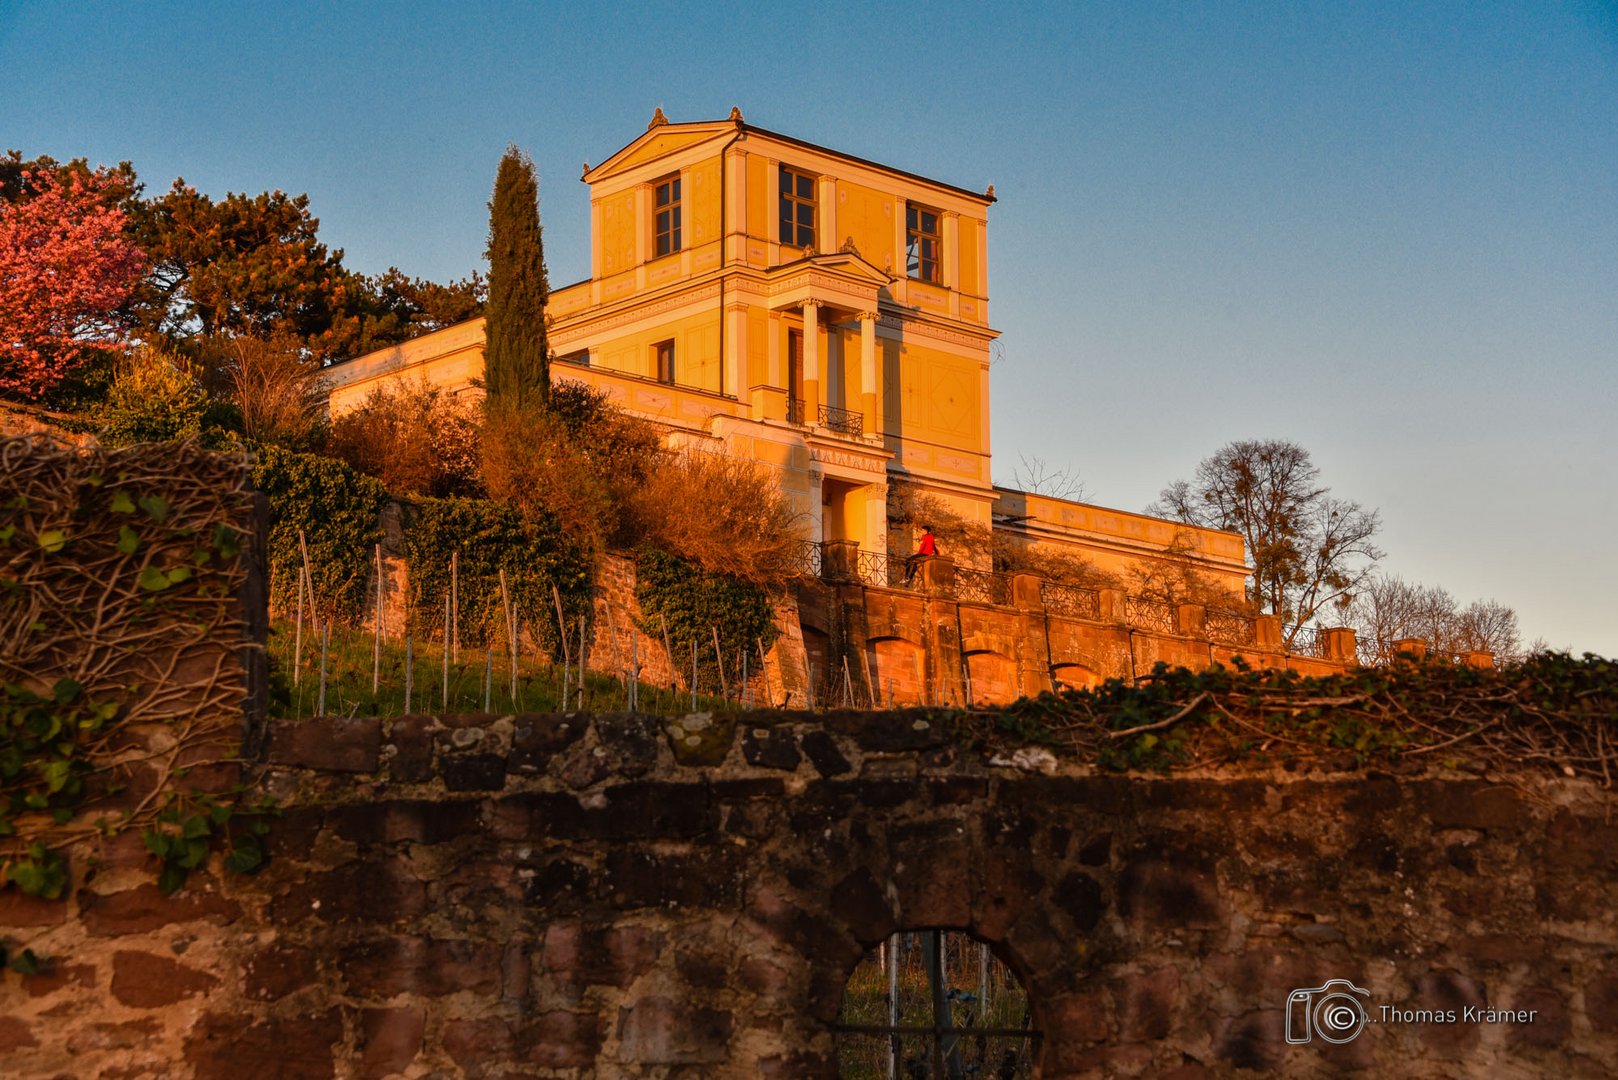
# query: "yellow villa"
{"type": "Point", "coordinates": [820, 314]}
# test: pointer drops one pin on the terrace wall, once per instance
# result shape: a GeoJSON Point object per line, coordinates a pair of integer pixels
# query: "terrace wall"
{"type": "Point", "coordinates": [583, 897]}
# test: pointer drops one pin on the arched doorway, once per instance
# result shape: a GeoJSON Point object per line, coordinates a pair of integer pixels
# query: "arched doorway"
{"type": "Point", "coordinates": [935, 1005]}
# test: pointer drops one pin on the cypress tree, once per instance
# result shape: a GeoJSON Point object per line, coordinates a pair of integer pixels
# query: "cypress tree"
{"type": "Point", "coordinates": [516, 357]}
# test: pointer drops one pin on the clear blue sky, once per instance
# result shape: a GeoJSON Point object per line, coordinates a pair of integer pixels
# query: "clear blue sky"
{"type": "Point", "coordinates": [1387, 232]}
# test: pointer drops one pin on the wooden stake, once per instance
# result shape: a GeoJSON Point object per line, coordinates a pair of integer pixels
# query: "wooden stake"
{"type": "Point", "coordinates": [581, 663]}
{"type": "Point", "coordinates": [719, 658]}
{"type": "Point", "coordinates": [445, 703]}
{"type": "Point", "coordinates": [488, 678]}
{"type": "Point", "coordinates": [764, 670]}
{"type": "Point", "coordinates": [409, 671]}
{"type": "Point", "coordinates": [325, 646]}
{"type": "Point", "coordinates": [455, 604]}
{"type": "Point", "coordinates": [693, 674]}
{"type": "Point", "coordinates": [511, 631]}
{"type": "Point", "coordinates": [376, 651]}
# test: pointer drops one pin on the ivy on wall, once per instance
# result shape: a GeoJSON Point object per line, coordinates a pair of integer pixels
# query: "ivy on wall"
{"type": "Point", "coordinates": [694, 604]}
{"type": "Point", "coordinates": [338, 510]}
{"type": "Point", "coordinates": [491, 536]}
{"type": "Point", "coordinates": [118, 570]}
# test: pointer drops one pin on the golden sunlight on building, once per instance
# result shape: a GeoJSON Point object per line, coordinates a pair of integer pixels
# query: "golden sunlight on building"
{"type": "Point", "coordinates": [817, 313]}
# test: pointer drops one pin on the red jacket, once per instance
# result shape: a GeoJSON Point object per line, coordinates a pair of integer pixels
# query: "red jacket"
{"type": "Point", "coordinates": [928, 545]}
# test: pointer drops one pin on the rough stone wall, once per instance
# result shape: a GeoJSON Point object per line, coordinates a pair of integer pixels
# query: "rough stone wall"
{"type": "Point", "coordinates": [561, 896]}
{"type": "Point", "coordinates": [919, 647]}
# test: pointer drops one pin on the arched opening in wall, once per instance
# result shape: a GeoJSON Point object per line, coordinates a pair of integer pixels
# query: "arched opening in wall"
{"type": "Point", "coordinates": [1075, 676]}
{"type": "Point", "coordinates": [898, 671]}
{"type": "Point", "coordinates": [935, 1005]}
{"type": "Point", "coordinates": [816, 650]}
{"type": "Point", "coordinates": [993, 678]}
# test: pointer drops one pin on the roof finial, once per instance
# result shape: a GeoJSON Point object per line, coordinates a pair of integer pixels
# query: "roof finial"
{"type": "Point", "coordinates": [990, 192]}
{"type": "Point", "coordinates": [735, 114]}
{"type": "Point", "coordinates": [848, 247]}
{"type": "Point", "coordinates": [658, 119]}
{"type": "Point", "coordinates": [585, 171]}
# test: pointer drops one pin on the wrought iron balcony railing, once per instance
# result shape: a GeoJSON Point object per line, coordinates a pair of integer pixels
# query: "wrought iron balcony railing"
{"type": "Point", "coordinates": [844, 421]}
{"type": "Point", "coordinates": [1230, 627]}
{"type": "Point", "coordinates": [1073, 601]}
{"type": "Point", "coordinates": [795, 411]}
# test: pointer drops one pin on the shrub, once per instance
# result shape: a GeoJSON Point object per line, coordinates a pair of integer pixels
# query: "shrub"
{"type": "Point", "coordinates": [724, 514]}
{"type": "Point", "coordinates": [694, 603]}
{"type": "Point", "coordinates": [416, 439]}
{"type": "Point", "coordinates": [278, 392]}
{"type": "Point", "coordinates": [155, 396]}
{"type": "Point", "coordinates": [492, 536]}
{"type": "Point", "coordinates": [531, 460]}
{"type": "Point", "coordinates": [338, 509]}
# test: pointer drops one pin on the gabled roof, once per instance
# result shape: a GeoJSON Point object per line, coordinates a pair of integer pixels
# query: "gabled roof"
{"type": "Point", "coordinates": [663, 137]}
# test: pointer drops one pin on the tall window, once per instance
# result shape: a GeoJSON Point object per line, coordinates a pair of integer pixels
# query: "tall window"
{"type": "Point", "coordinates": [664, 354]}
{"type": "Point", "coordinates": [668, 216]}
{"type": "Point", "coordinates": [797, 208]}
{"type": "Point", "coordinates": [922, 248]}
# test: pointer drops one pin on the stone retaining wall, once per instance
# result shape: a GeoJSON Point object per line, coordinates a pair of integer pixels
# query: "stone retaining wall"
{"type": "Point", "coordinates": [592, 898]}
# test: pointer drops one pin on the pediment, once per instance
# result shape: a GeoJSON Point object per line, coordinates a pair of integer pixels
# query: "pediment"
{"type": "Point", "coordinates": [658, 142]}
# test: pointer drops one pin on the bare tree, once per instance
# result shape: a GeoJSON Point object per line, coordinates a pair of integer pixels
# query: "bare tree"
{"type": "Point", "coordinates": [1035, 476]}
{"type": "Point", "coordinates": [1305, 549]}
{"type": "Point", "coordinates": [1388, 609]}
{"type": "Point", "coordinates": [280, 393]}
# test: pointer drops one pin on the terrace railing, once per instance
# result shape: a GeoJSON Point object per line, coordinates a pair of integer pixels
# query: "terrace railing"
{"type": "Point", "coordinates": [843, 421]}
{"type": "Point", "coordinates": [1230, 627]}
{"type": "Point", "coordinates": [982, 587]}
{"type": "Point", "coordinates": [881, 569]}
{"type": "Point", "coordinates": [1305, 641]}
{"type": "Point", "coordinates": [810, 558]}
{"type": "Point", "coordinates": [1151, 614]}
{"type": "Point", "coordinates": [1071, 600]}
{"type": "Point", "coordinates": [795, 411]}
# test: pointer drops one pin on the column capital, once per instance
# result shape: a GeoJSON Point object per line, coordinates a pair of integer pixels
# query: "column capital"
{"type": "Point", "coordinates": [811, 305]}
{"type": "Point", "coordinates": [870, 316]}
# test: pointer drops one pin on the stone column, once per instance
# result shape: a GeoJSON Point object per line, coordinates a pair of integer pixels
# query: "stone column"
{"type": "Point", "coordinates": [937, 573]}
{"type": "Point", "coordinates": [1025, 592]}
{"type": "Point", "coordinates": [1413, 648]}
{"type": "Point", "coordinates": [1191, 620]}
{"type": "Point", "coordinates": [868, 370]}
{"type": "Point", "coordinates": [812, 361]}
{"type": "Point", "coordinates": [1341, 644]}
{"type": "Point", "coordinates": [839, 561]}
{"type": "Point", "coordinates": [1267, 631]}
{"type": "Point", "coordinates": [1113, 604]}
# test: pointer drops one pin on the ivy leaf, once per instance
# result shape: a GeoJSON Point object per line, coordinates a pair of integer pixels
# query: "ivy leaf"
{"type": "Point", "coordinates": [66, 691]}
{"type": "Point", "coordinates": [53, 540]}
{"type": "Point", "coordinates": [24, 963]}
{"type": "Point", "coordinates": [128, 540]}
{"type": "Point", "coordinates": [179, 574]}
{"type": "Point", "coordinates": [153, 580]}
{"type": "Point", "coordinates": [7, 533]}
{"type": "Point", "coordinates": [156, 506]}
{"type": "Point", "coordinates": [172, 879]}
{"type": "Point", "coordinates": [122, 503]}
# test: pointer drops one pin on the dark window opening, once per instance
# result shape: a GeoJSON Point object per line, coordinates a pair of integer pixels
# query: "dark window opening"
{"type": "Point", "coordinates": [923, 245]}
{"type": "Point", "coordinates": [934, 1005]}
{"type": "Point", "coordinates": [667, 210]}
{"type": "Point", "coordinates": [664, 352]}
{"type": "Point", "coordinates": [797, 208]}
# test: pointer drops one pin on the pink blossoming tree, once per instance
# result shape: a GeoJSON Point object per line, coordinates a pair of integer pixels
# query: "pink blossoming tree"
{"type": "Point", "coordinates": [66, 269]}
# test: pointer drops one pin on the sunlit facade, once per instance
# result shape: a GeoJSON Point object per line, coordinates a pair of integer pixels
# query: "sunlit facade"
{"type": "Point", "coordinates": [817, 313]}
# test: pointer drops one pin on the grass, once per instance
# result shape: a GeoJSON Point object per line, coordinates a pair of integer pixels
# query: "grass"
{"type": "Point", "coordinates": [351, 665]}
{"type": "Point", "coordinates": [865, 1002]}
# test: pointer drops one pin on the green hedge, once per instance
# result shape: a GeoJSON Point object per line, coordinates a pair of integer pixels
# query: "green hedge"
{"type": "Point", "coordinates": [491, 536]}
{"type": "Point", "coordinates": [695, 603]}
{"type": "Point", "coordinates": [339, 510]}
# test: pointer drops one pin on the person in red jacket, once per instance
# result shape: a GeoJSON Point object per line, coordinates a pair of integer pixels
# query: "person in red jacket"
{"type": "Point", "coordinates": [926, 546]}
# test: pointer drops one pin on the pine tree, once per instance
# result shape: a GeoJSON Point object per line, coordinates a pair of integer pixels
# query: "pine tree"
{"type": "Point", "coordinates": [516, 358]}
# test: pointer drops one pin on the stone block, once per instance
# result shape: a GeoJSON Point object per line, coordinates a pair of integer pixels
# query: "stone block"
{"type": "Point", "coordinates": [144, 908]}
{"type": "Point", "coordinates": [278, 970]}
{"type": "Point", "coordinates": [1146, 1004]}
{"type": "Point", "coordinates": [559, 1039]}
{"type": "Point", "coordinates": [1254, 1040]}
{"type": "Point", "coordinates": [577, 956]}
{"type": "Point", "coordinates": [16, 1034]}
{"type": "Point", "coordinates": [863, 907]}
{"type": "Point", "coordinates": [661, 1031]}
{"type": "Point", "coordinates": [327, 744]}
{"type": "Point", "coordinates": [537, 739]}
{"type": "Point", "coordinates": [1445, 990]}
{"type": "Point", "coordinates": [472, 772]}
{"type": "Point", "coordinates": [824, 754]}
{"type": "Point", "coordinates": [54, 976]}
{"type": "Point", "coordinates": [709, 879]}
{"type": "Point", "coordinates": [389, 1040]}
{"type": "Point", "coordinates": [771, 748]}
{"type": "Point", "coordinates": [223, 1047]}
{"type": "Point", "coordinates": [1469, 806]}
{"type": "Point", "coordinates": [421, 821]}
{"type": "Point", "coordinates": [377, 891]}
{"type": "Point", "coordinates": [1082, 898]}
{"type": "Point", "coordinates": [1170, 893]}
{"type": "Point", "coordinates": [646, 810]}
{"type": "Point", "coordinates": [1551, 1026]}
{"type": "Point", "coordinates": [412, 741]}
{"type": "Point", "coordinates": [478, 1045]}
{"type": "Point", "coordinates": [385, 967]}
